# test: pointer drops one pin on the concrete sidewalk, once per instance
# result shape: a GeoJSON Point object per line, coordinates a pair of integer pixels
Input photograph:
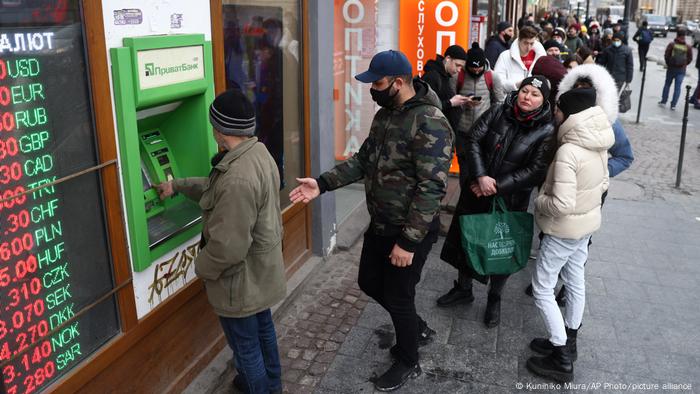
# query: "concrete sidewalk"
{"type": "Point", "coordinates": [640, 324]}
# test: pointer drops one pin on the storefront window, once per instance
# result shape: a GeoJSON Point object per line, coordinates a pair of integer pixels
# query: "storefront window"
{"type": "Point", "coordinates": [262, 45]}
{"type": "Point", "coordinates": [55, 271]}
{"type": "Point", "coordinates": [354, 44]}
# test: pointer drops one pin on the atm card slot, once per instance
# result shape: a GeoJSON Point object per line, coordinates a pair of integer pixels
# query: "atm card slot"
{"type": "Point", "coordinates": [159, 152]}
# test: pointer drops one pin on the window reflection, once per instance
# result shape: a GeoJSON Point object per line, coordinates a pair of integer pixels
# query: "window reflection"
{"type": "Point", "coordinates": [261, 56]}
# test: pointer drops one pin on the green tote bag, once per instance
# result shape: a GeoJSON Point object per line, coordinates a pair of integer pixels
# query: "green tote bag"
{"type": "Point", "coordinates": [498, 242]}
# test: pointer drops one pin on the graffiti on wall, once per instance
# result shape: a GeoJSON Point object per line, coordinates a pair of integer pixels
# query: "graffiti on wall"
{"type": "Point", "coordinates": [173, 270]}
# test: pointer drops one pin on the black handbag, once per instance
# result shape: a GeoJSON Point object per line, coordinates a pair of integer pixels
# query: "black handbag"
{"type": "Point", "coordinates": [625, 103]}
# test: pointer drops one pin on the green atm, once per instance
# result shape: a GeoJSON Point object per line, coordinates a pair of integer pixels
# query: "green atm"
{"type": "Point", "coordinates": [163, 86]}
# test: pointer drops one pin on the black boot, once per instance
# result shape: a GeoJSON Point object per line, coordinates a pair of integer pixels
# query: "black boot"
{"type": "Point", "coordinates": [561, 296]}
{"type": "Point", "coordinates": [557, 366]}
{"type": "Point", "coordinates": [492, 317]}
{"type": "Point", "coordinates": [396, 376]}
{"type": "Point", "coordinates": [544, 346]}
{"type": "Point", "coordinates": [459, 294]}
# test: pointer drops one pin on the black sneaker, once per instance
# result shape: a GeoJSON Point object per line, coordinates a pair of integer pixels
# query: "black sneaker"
{"type": "Point", "coordinates": [456, 295]}
{"type": "Point", "coordinates": [396, 376]}
{"type": "Point", "coordinates": [425, 336]}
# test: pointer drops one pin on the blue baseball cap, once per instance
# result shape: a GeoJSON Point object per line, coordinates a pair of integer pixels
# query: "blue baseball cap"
{"type": "Point", "coordinates": [386, 64]}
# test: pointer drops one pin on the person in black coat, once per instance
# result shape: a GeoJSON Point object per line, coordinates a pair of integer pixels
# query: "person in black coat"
{"type": "Point", "coordinates": [506, 154]}
{"type": "Point", "coordinates": [441, 75]}
{"type": "Point", "coordinates": [499, 42]}
{"type": "Point", "coordinates": [618, 60]}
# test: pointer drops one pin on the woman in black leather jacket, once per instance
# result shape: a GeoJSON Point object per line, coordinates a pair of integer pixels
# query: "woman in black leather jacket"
{"type": "Point", "coordinates": [505, 153]}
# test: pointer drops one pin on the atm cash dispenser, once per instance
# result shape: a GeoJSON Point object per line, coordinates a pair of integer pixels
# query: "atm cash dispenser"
{"type": "Point", "coordinates": [163, 86]}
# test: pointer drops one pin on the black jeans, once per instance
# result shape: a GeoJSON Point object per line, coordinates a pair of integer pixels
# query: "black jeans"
{"type": "Point", "coordinates": [643, 50]}
{"type": "Point", "coordinates": [394, 288]}
{"type": "Point", "coordinates": [496, 284]}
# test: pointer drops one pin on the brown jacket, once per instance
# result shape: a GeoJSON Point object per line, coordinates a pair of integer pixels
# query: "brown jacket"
{"type": "Point", "coordinates": [668, 54]}
{"type": "Point", "coordinates": [241, 264]}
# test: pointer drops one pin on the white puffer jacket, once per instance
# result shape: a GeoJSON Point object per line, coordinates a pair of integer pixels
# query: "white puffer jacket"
{"type": "Point", "coordinates": [568, 205]}
{"type": "Point", "coordinates": [511, 69]}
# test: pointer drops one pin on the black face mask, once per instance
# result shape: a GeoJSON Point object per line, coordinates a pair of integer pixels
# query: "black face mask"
{"type": "Point", "coordinates": [507, 37]}
{"type": "Point", "coordinates": [384, 97]}
{"type": "Point", "coordinates": [476, 75]}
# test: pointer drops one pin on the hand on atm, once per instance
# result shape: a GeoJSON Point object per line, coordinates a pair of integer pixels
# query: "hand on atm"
{"type": "Point", "coordinates": [165, 189]}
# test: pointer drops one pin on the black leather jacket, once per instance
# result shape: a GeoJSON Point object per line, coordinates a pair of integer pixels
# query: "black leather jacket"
{"type": "Point", "coordinates": [515, 153]}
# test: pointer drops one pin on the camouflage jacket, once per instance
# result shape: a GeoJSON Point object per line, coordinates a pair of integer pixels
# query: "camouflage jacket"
{"type": "Point", "coordinates": [404, 162]}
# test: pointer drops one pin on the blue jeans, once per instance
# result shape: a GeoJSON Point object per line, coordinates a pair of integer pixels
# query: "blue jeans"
{"type": "Point", "coordinates": [254, 344]}
{"type": "Point", "coordinates": [673, 73]}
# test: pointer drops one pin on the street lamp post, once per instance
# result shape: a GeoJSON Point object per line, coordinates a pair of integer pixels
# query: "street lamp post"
{"type": "Point", "coordinates": [588, 15]}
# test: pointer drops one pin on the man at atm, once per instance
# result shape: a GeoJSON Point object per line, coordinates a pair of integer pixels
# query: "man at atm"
{"type": "Point", "coordinates": [241, 258]}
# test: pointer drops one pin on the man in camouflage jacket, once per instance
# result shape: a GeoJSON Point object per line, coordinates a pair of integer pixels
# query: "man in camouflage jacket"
{"type": "Point", "coordinates": [404, 163]}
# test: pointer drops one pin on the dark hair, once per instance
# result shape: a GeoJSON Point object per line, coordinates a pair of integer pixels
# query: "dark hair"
{"type": "Point", "coordinates": [585, 80]}
{"type": "Point", "coordinates": [527, 32]}
{"type": "Point", "coordinates": [584, 52]}
{"type": "Point", "coordinates": [571, 59]}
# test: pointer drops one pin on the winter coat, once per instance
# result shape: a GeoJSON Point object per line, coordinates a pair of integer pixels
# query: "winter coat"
{"type": "Point", "coordinates": [478, 87]}
{"type": "Point", "coordinates": [621, 156]}
{"type": "Point", "coordinates": [510, 67]}
{"type": "Point", "coordinates": [404, 163]}
{"type": "Point", "coordinates": [669, 53]}
{"type": "Point", "coordinates": [568, 205]}
{"type": "Point", "coordinates": [514, 153]}
{"type": "Point", "coordinates": [494, 47]}
{"type": "Point", "coordinates": [619, 62]}
{"type": "Point", "coordinates": [638, 37]}
{"type": "Point", "coordinates": [573, 43]}
{"type": "Point", "coordinates": [444, 85]}
{"type": "Point", "coordinates": [595, 42]}
{"type": "Point", "coordinates": [241, 263]}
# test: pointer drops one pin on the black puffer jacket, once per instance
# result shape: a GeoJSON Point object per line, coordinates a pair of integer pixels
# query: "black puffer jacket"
{"type": "Point", "coordinates": [515, 153]}
{"type": "Point", "coordinates": [443, 84]}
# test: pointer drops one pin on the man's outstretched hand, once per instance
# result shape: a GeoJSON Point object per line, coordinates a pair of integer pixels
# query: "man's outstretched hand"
{"type": "Point", "coordinates": [306, 191]}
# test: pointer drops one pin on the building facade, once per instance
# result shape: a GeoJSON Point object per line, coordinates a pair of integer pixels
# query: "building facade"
{"type": "Point", "coordinates": [100, 100]}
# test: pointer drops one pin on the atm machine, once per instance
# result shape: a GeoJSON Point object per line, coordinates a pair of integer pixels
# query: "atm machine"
{"type": "Point", "coordinates": [163, 86]}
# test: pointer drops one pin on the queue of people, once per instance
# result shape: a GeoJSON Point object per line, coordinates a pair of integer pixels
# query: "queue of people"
{"type": "Point", "coordinates": [523, 124]}
{"type": "Point", "coordinates": [513, 132]}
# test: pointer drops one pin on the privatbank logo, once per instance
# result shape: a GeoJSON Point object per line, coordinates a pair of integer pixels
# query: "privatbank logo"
{"type": "Point", "coordinates": [152, 69]}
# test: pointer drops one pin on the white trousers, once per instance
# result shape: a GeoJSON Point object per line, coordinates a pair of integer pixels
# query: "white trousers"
{"type": "Point", "coordinates": [565, 256]}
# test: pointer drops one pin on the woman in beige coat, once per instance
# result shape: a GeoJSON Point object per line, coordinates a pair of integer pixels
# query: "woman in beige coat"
{"type": "Point", "coordinates": [568, 212]}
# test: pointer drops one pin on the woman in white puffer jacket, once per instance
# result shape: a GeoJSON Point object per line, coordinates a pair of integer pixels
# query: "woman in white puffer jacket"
{"type": "Point", "coordinates": [568, 212]}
